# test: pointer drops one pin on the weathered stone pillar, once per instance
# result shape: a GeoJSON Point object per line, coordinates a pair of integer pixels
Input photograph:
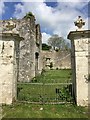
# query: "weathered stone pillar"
{"type": "Point", "coordinates": [80, 60]}
{"type": "Point", "coordinates": [9, 63]}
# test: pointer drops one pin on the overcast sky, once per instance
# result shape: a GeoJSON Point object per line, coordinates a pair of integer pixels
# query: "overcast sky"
{"type": "Point", "coordinates": [54, 17]}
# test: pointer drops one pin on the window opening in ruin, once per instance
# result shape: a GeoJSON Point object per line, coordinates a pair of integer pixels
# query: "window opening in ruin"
{"type": "Point", "coordinates": [3, 46]}
{"type": "Point", "coordinates": [36, 63]}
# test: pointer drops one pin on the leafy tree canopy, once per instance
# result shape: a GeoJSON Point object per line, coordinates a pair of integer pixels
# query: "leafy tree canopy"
{"type": "Point", "coordinates": [45, 46]}
{"type": "Point", "coordinates": [58, 42]}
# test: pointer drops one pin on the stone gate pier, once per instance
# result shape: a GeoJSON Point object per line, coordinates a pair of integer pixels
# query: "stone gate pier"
{"type": "Point", "coordinates": [9, 62]}
{"type": "Point", "coordinates": [80, 60]}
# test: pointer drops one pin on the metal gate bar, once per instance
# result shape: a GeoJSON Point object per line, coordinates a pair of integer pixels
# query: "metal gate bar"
{"type": "Point", "coordinates": [45, 92]}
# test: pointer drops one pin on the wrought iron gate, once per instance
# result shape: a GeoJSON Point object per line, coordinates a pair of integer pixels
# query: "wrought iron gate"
{"type": "Point", "coordinates": [45, 92]}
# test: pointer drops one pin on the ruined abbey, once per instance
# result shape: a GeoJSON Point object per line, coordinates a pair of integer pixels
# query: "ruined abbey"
{"type": "Point", "coordinates": [20, 54]}
{"type": "Point", "coordinates": [22, 58]}
{"type": "Point", "coordinates": [30, 47]}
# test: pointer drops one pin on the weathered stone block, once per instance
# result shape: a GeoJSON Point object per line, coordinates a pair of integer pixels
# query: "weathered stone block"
{"type": "Point", "coordinates": [9, 45]}
{"type": "Point", "coordinates": [80, 41]}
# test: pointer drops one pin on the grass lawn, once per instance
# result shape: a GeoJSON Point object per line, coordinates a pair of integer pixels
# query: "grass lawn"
{"type": "Point", "coordinates": [46, 89]}
{"type": "Point", "coordinates": [45, 93]}
{"type": "Point", "coordinates": [54, 76]}
{"type": "Point", "coordinates": [21, 110]}
{"type": "Point", "coordinates": [30, 92]}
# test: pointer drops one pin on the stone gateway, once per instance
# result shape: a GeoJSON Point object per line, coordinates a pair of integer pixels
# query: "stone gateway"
{"type": "Point", "coordinates": [21, 58]}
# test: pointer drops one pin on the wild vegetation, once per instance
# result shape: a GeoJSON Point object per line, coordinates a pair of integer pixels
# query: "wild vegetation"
{"type": "Point", "coordinates": [58, 43]}
{"type": "Point", "coordinates": [45, 46]}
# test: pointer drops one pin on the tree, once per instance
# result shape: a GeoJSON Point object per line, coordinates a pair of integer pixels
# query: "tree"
{"type": "Point", "coordinates": [45, 46]}
{"type": "Point", "coordinates": [57, 42]}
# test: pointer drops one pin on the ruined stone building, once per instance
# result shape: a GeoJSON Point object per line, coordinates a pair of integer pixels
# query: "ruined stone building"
{"type": "Point", "coordinates": [30, 47]}
{"type": "Point", "coordinates": [20, 55]}
{"type": "Point", "coordinates": [56, 59]}
{"type": "Point", "coordinates": [22, 58]}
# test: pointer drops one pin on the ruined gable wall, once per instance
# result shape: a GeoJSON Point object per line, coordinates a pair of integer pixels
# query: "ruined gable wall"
{"type": "Point", "coordinates": [27, 50]}
{"type": "Point", "coordinates": [28, 47]}
{"type": "Point", "coordinates": [60, 59]}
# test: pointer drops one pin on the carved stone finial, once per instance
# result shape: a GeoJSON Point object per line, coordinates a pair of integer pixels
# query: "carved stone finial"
{"type": "Point", "coordinates": [79, 23]}
{"type": "Point", "coordinates": [10, 25]}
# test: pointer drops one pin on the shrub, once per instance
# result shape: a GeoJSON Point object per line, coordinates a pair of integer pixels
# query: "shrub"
{"type": "Point", "coordinates": [51, 65]}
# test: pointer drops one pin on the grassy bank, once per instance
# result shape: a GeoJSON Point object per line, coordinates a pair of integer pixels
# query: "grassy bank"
{"type": "Point", "coordinates": [20, 110]}
{"type": "Point", "coordinates": [54, 76]}
{"type": "Point", "coordinates": [45, 87]}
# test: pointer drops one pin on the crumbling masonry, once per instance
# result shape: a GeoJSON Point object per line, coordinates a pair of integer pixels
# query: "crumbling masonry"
{"type": "Point", "coordinates": [20, 55]}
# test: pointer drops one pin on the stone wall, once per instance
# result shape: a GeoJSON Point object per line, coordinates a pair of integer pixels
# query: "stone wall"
{"type": "Point", "coordinates": [20, 43]}
{"type": "Point", "coordinates": [60, 59]}
{"type": "Point", "coordinates": [31, 45]}
{"type": "Point", "coordinates": [27, 50]}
